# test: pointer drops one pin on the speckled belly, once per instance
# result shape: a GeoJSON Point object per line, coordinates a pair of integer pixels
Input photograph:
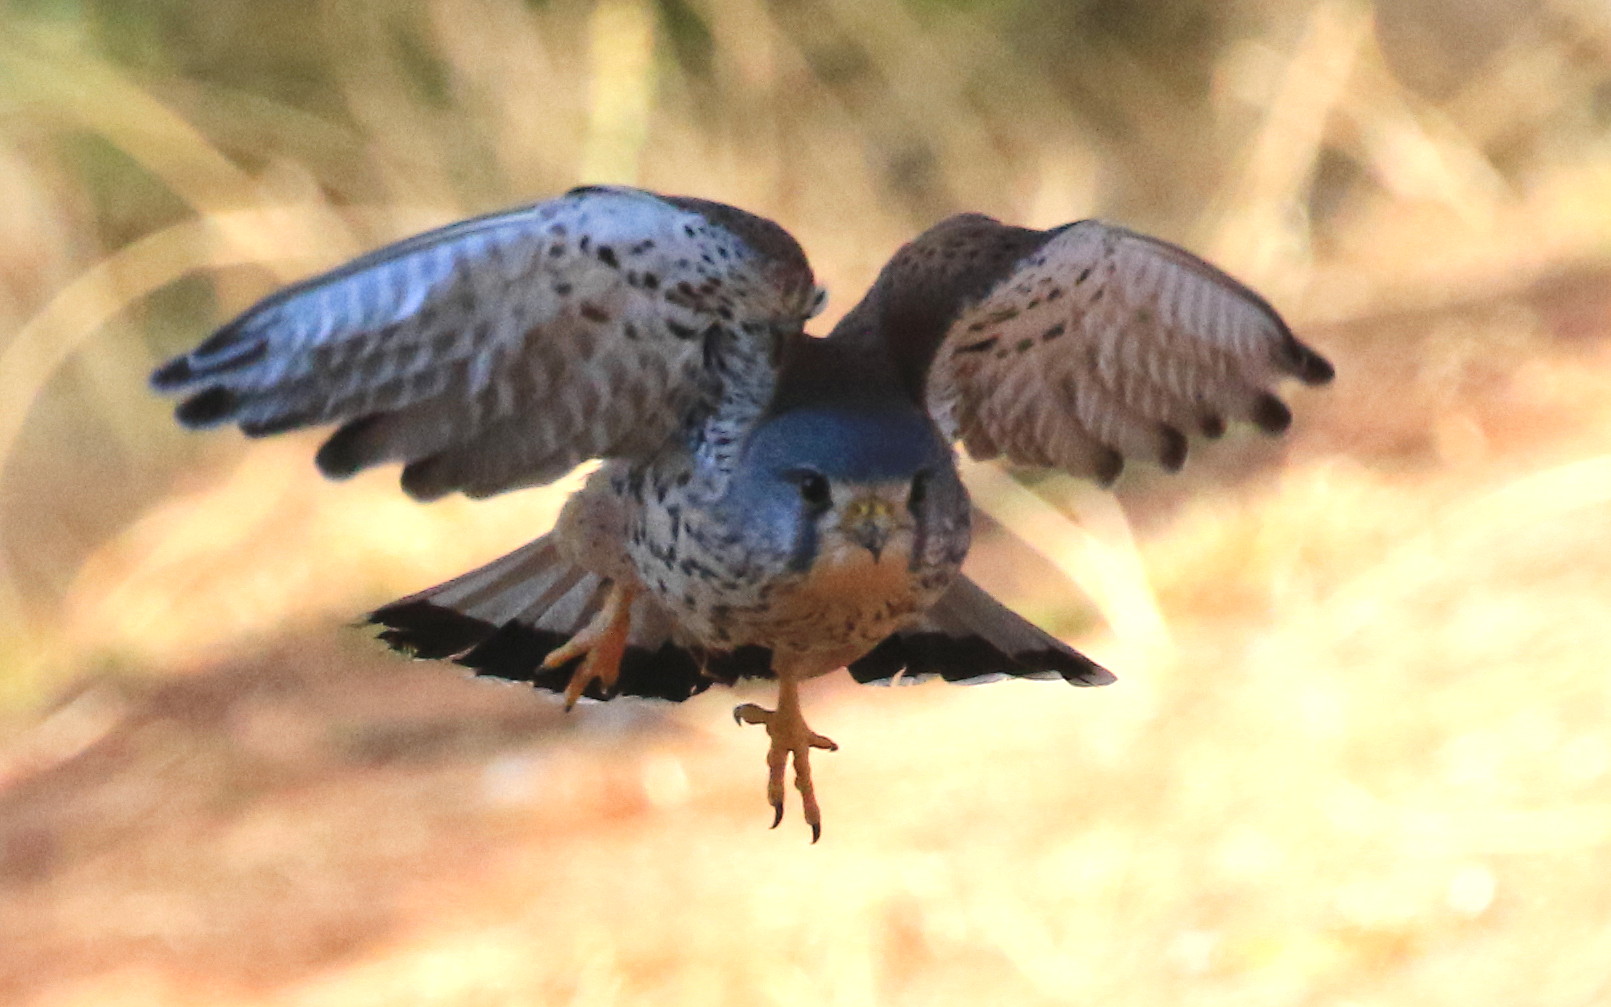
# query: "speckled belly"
{"type": "Point", "coordinates": [845, 608]}
{"type": "Point", "coordinates": [726, 598]}
{"type": "Point", "coordinates": [836, 611]}
{"type": "Point", "coordinates": [726, 593]}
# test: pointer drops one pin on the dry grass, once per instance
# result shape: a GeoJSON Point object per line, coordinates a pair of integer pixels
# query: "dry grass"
{"type": "Point", "coordinates": [1359, 752]}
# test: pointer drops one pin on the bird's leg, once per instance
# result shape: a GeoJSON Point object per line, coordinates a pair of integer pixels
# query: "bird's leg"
{"type": "Point", "coordinates": [787, 728]}
{"type": "Point", "coordinates": [603, 640]}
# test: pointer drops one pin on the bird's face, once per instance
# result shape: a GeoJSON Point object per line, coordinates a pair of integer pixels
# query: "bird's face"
{"type": "Point", "coordinates": [852, 491]}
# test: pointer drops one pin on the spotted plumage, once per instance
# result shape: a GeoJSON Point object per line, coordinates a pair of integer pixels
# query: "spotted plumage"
{"type": "Point", "coordinates": [769, 504]}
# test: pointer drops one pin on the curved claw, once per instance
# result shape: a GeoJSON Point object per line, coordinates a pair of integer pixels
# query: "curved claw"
{"type": "Point", "coordinates": [600, 644]}
{"type": "Point", "coordinates": [791, 740]}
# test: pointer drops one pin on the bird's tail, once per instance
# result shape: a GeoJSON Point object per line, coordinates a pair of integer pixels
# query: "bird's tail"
{"type": "Point", "coordinates": [970, 637]}
{"type": "Point", "coordinates": [504, 618]}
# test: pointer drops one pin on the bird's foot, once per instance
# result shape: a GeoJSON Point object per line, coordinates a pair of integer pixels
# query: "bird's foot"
{"type": "Point", "coordinates": [600, 644]}
{"type": "Point", "coordinates": [790, 737]}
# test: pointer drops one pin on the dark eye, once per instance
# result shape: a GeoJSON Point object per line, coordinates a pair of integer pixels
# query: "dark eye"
{"type": "Point", "coordinates": [814, 490]}
{"type": "Point", "coordinates": [920, 490]}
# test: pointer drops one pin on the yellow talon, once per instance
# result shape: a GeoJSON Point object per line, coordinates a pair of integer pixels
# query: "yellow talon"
{"type": "Point", "coordinates": [790, 736]}
{"type": "Point", "coordinates": [600, 644]}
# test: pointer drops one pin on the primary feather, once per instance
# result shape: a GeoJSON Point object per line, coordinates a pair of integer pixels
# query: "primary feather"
{"type": "Point", "coordinates": [502, 351]}
{"type": "Point", "coordinates": [1075, 347]}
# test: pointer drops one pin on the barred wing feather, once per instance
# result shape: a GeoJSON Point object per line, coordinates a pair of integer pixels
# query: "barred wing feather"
{"type": "Point", "coordinates": [1088, 343]}
{"type": "Point", "coordinates": [502, 351]}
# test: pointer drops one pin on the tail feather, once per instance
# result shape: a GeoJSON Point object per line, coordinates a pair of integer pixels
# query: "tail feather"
{"type": "Point", "coordinates": [504, 618]}
{"type": "Point", "coordinates": [527, 582]}
{"type": "Point", "coordinates": [970, 637]}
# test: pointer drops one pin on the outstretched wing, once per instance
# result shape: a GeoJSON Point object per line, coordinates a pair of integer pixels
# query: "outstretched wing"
{"type": "Point", "coordinates": [502, 351]}
{"type": "Point", "coordinates": [1075, 347]}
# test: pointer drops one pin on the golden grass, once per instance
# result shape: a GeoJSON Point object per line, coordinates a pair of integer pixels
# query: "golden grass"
{"type": "Point", "coordinates": [1359, 750]}
{"type": "Point", "coordinates": [1371, 771]}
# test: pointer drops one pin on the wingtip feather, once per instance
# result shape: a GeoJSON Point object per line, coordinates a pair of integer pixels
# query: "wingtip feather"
{"type": "Point", "coordinates": [1172, 453]}
{"type": "Point", "coordinates": [209, 408]}
{"type": "Point", "coordinates": [1271, 415]}
{"type": "Point", "coordinates": [423, 481]}
{"type": "Point", "coordinates": [172, 375]}
{"type": "Point", "coordinates": [1305, 364]}
{"type": "Point", "coordinates": [1109, 466]}
{"type": "Point", "coordinates": [344, 453]}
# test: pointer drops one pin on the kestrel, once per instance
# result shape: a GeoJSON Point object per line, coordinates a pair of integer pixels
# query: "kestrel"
{"type": "Point", "coordinates": [770, 504]}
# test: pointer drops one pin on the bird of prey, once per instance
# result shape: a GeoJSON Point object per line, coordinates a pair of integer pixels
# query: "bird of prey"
{"type": "Point", "coordinates": [769, 503]}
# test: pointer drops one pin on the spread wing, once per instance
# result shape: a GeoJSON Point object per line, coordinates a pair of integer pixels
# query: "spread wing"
{"type": "Point", "coordinates": [502, 351]}
{"type": "Point", "coordinates": [1075, 347]}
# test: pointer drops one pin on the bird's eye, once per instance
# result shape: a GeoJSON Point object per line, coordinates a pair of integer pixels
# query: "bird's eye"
{"type": "Point", "coordinates": [814, 490]}
{"type": "Point", "coordinates": [919, 491]}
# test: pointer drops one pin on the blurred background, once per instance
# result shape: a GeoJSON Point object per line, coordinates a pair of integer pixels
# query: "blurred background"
{"type": "Point", "coordinates": [1360, 750]}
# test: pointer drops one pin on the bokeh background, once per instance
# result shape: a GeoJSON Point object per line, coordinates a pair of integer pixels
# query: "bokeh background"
{"type": "Point", "coordinates": [1360, 752]}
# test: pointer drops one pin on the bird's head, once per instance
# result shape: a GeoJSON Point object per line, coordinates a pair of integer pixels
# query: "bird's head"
{"type": "Point", "coordinates": [847, 487]}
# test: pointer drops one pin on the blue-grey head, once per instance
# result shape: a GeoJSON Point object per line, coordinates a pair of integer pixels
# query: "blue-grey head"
{"type": "Point", "coordinates": [838, 485]}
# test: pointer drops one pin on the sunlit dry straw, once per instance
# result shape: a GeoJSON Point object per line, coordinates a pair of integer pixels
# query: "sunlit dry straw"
{"type": "Point", "coordinates": [1097, 552]}
{"type": "Point", "coordinates": [1259, 224]}
{"type": "Point", "coordinates": [622, 90]}
{"type": "Point", "coordinates": [80, 310]}
{"type": "Point", "coordinates": [1534, 500]}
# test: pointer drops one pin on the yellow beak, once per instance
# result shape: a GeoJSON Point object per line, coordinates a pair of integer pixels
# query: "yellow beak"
{"type": "Point", "coordinates": [868, 521]}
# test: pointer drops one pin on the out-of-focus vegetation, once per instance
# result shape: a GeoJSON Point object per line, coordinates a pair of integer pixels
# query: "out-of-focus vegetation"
{"type": "Point", "coordinates": [1361, 747]}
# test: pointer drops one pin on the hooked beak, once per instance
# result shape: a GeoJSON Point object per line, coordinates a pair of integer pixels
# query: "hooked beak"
{"type": "Point", "coordinates": [868, 522]}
